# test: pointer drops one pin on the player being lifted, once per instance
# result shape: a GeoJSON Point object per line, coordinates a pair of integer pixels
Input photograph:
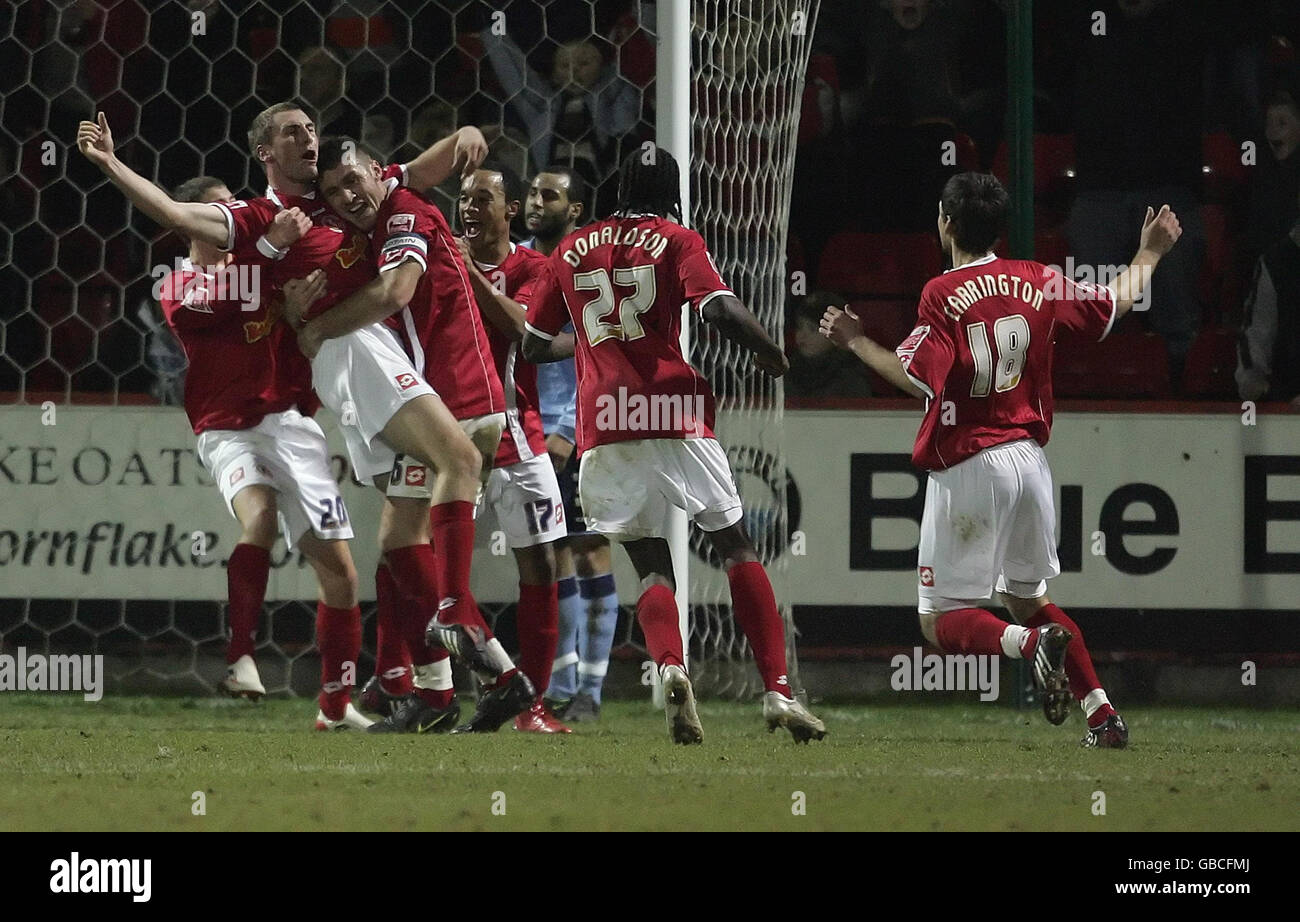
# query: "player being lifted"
{"type": "Point", "coordinates": [981, 356]}
{"type": "Point", "coordinates": [522, 490]}
{"type": "Point", "coordinates": [397, 409]}
{"type": "Point", "coordinates": [623, 281]}
{"type": "Point", "coordinates": [587, 597]}
{"type": "Point", "coordinates": [423, 291]}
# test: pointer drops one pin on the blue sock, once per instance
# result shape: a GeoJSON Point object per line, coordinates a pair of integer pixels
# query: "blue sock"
{"type": "Point", "coordinates": [564, 678]}
{"type": "Point", "coordinates": [600, 603]}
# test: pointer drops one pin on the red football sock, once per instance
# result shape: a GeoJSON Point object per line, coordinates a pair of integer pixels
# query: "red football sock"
{"type": "Point", "coordinates": [754, 607]}
{"type": "Point", "coordinates": [453, 535]}
{"type": "Point", "coordinates": [338, 637]}
{"type": "Point", "coordinates": [246, 575]}
{"type": "Point", "coordinates": [1078, 663]}
{"type": "Point", "coordinates": [392, 663]}
{"type": "Point", "coordinates": [970, 630]}
{"type": "Point", "coordinates": [415, 570]}
{"type": "Point", "coordinates": [538, 617]}
{"type": "Point", "coordinates": [656, 612]}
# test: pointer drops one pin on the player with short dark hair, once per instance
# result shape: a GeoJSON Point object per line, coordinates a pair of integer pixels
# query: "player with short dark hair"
{"type": "Point", "coordinates": [555, 206]}
{"type": "Point", "coordinates": [645, 419]}
{"type": "Point", "coordinates": [522, 489]}
{"type": "Point", "coordinates": [981, 357]}
{"type": "Point", "coordinates": [423, 293]}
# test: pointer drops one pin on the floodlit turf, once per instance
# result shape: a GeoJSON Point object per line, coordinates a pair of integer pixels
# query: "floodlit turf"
{"type": "Point", "coordinates": [135, 763]}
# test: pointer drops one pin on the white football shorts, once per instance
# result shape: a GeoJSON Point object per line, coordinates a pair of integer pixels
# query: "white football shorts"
{"type": "Point", "coordinates": [526, 499]}
{"type": "Point", "coordinates": [364, 378]}
{"type": "Point", "coordinates": [989, 524]}
{"type": "Point", "coordinates": [627, 488]}
{"type": "Point", "coordinates": [287, 452]}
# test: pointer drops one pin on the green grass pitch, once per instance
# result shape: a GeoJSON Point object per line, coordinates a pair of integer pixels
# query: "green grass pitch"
{"type": "Point", "coordinates": [135, 764]}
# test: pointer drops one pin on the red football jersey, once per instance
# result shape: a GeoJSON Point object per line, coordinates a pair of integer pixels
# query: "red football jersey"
{"type": "Point", "coordinates": [440, 327]}
{"type": "Point", "coordinates": [624, 281]}
{"type": "Point", "coordinates": [233, 380]}
{"type": "Point", "coordinates": [332, 245]}
{"type": "Point", "coordinates": [523, 437]}
{"type": "Point", "coordinates": [982, 352]}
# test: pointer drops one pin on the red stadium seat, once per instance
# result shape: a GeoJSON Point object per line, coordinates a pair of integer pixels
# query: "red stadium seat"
{"type": "Point", "coordinates": [1223, 172]}
{"type": "Point", "coordinates": [1053, 163]}
{"type": "Point", "coordinates": [1218, 254]}
{"type": "Point", "coordinates": [1122, 365]}
{"type": "Point", "coordinates": [879, 265]}
{"type": "Point", "coordinates": [1211, 364]}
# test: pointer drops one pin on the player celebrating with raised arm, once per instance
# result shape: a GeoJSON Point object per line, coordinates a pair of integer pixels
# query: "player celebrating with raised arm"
{"type": "Point", "coordinates": [268, 459]}
{"type": "Point", "coordinates": [423, 291]}
{"type": "Point", "coordinates": [585, 569]}
{"type": "Point", "coordinates": [645, 419]}
{"type": "Point", "coordinates": [981, 356]}
{"type": "Point", "coordinates": [380, 396]}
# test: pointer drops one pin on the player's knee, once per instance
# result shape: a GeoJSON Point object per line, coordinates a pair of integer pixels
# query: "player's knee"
{"type": "Point", "coordinates": [465, 461]}
{"type": "Point", "coordinates": [537, 566]}
{"type": "Point", "coordinates": [260, 523]}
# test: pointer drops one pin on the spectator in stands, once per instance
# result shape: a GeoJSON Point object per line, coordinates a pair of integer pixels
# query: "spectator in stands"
{"type": "Point", "coordinates": [578, 114]}
{"type": "Point", "coordinates": [323, 87]}
{"type": "Point", "coordinates": [1277, 178]}
{"type": "Point", "coordinates": [1138, 120]}
{"type": "Point", "coordinates": [817, 368]}
{"type": "Point", "coordinates": [1268, 354]}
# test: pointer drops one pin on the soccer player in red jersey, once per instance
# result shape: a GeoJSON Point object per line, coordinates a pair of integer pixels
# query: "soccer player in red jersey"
{"type": "Point", "coordinates": [523, 489]}
{"type": "Point", "coordinates": [645, 419]}
{"type": "Point", "coordinates": [268, 459]}
{"type": "Point", "coordinates": [423, 293]}
{"type": "Point", "coordinates": [388, 407]}
{"type": "Point", "coordinates": [981, 357]}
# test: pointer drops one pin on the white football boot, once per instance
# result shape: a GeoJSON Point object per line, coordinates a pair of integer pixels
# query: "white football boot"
{"type": "Point", "coordinates": [780, 711]}
{"type": "Point", "coordinates": [352, 719]}
{"type": "Point", "coordinates": [679, 706]}
{"type": "Point", "coordinates": [242, 680]}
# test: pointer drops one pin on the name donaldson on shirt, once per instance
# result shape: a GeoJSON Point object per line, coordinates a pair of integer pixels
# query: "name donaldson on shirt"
{"type": "Point", "coordinates": [988, 286]}
{"type": "Point", "coordinates": [652, 242]}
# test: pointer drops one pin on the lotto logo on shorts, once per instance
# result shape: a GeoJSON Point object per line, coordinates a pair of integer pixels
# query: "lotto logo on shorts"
{"type": "Point", "coordinates": [927, 576]}
{"type": "Point", "coordinates": [236, 475]}
{"type": "Point", "coordinates": [407, 380]}
{"type": "Point", "coordinates": [415, 476]}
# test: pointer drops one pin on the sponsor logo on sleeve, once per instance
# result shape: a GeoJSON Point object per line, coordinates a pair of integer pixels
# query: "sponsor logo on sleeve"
{"type": "Point", "coordinates": [236, 475]}
{"type": "Point", "coordinates": [400, 223]}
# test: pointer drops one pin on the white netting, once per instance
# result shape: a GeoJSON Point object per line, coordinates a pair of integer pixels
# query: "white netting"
{"type": "Point", "coordinates": [748, 66]}
{"type": "Point", "coordinates": [180, 82]}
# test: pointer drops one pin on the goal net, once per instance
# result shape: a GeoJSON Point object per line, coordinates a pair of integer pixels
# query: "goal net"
{"type": "Point", "coordinates": [748, 65]}
{"type": "Point", "coordinates": [113, 540]}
